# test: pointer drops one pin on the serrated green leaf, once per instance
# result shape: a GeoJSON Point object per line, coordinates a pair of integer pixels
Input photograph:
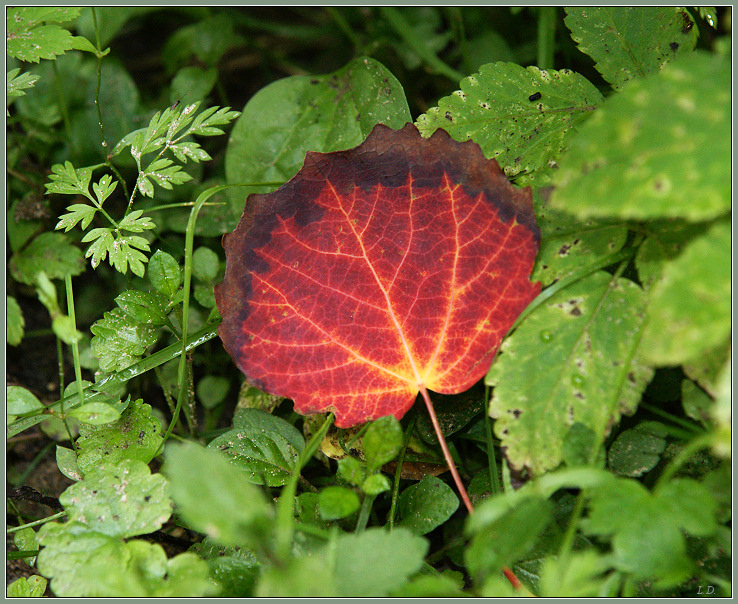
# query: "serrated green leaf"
{"type": "Point", "coordinates": [144, 307]}
{"type": "Point", "coordinates": [14, 321]}
{"type": "Point", "coordinates": [204, 124]}
{"type": "Point", "coordinates": [193, 151]}
{"type": "Point", "coordinates": [689, 311]}
{"type": "Point", "coordinates": [42, 42]}
{"type": "Point", "coordinates": [102, 242]}
{"type": "Point", "coordinates": [289, 117]}
{"type": "Point", "coordinates": [164, 273]}
{"type": "Point", "coordinates": [49, 252]}
{"type": "Point", "coordinates": [119, 340]}
{"type": "Point", "coordinates": [493, 108]}
{"type": "Point", "coordinates": [382, 441]}
{"type": "Point", "coordinates": [646, 542]}
{"type": "Point", "coordinates": [162, 173]}
{"type": "Point", "coordinates": [120, 500]}
{"type": "Point", "coordinates": [375, 562]}
{"type": "Point", "coordinates": [569, 245]}
{"type": "Point", "coordinates": [104, 188]}
{"type": "Point", "coordinates": [19, 401]}
{"type": "Point", "coordinates": [23, 18]}
{"type": "Point", "coordinates": [66, 461]}
{"type": "Point", "coordinates": [265, 458]}
{"type": "Point", "coordinates": [123, 253]}
{"type": "Point", "coordinates": [27, 587]}
{"type": "Point", "coordinates": [658, 149]}
{"type": "Point", "coordinates": [630, 42]}
{"type": "Point", "coordinates": [77, 212]}
{"type": "Point", "coordinates": [637, 451]}
{"type": "Point", "coordinates": [15, 84]}
{"type": "Point", "coordinates": [136, 435]}
{"type": "Point", "coordinates": [571, 360]}
{"type": "Point", "coordinates": [581, 575]}
{"type": "Point", "coordinates": [337, 502]}
{"type": "Point", "coordinates": [426, 505]}
{"type": "Point", "coordinates": [216, 498]}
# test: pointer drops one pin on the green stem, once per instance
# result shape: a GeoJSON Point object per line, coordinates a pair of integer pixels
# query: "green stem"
{"type": "Point", "coordinates": [62, 103]}
{"type": "Point", "coordinates": [690, 428]}
{"type": "Point", "coordinates": [286, 504]}
{"type": "Point", "coordinates": [546, 36]}
{"type": "Point", "coordinates": [344, 26]}
{"type": "Point", "coordinates": [20, 554]}
{"type": "Point", "coordinates": [366, 508]}
{"type": "Point", "coordinates": [398, 22]}
{"type": "Point", "coordinates": [32, 466]}
{"type": "Point", "coordinates": [15, 529]}
{"type": "Point", "coordinates": [398, 470]}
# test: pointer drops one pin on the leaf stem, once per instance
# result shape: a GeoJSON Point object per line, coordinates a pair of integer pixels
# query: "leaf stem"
{"type": "Point", "coordinates": [15, 529]}
{"type": "Point", "coordinates": [398, 470]}
{"type": "Point", "coordinates": [494, 479]}
{"type": "Point", "coordinates": [446, 453]}
{"type": "Point", "coordinates": [546, 36]}
{"type": "Point", "coordinates": [75, 351]}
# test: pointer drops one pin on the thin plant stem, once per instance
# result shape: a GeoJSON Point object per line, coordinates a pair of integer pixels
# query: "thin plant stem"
{"type": "Point", "coordinates": [398, 471]}
{"type": "Point", "coordinates": [446, 453]}
{"type": "Point", "coordinates": [32, 466]}
{"type": "Point", "coordinates": [344, 26]}
{"type": "Point", "coordinates": [286, 504]}
{"type": "Point", "coordinates": [546, 36]}
{"type": "Point", "coordinates": [15, 529]}
{"type": "Point", "coordinates": [364, 512]}
{"type": "Point", "coordinates": [20, 554]}
{"type": "Point", "coordinates": [62, 102]}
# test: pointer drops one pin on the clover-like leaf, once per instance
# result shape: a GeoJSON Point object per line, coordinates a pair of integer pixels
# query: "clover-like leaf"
{"type": "Point", "coordinates": [378, 273]}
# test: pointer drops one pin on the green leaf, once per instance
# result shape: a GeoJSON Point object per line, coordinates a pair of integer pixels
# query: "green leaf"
{"type": "Point", "coordinates": [637, 451]}
{"type": "Point", "coordinates": [42, 42]}
{"type": "Point", "coordinates": [506, 539]}
{"type": "Point", "coordinates": [164, 273]}
{"type": "Point", "coordinates": [630, 42]}
{"type": "Point", "coordinates": [212, 390]}
{"type": "Point", "coordinates": [15, 84]}
{"type": "Point", "coordinates": [84, 563]}
{"type": "Point", "coordinates": [326, 113]}
{"type": "Point", "coordinates": [234, 569]}
{"type": "Point", "coordinates": [77, 212]}
{"type": "Point", "coordinates": [571, 360]}
{"type": "Point", "coordinates": [429, 586]}
{"type": "Point", "coordinates": [120, 500]}
{"type": "Point", "coordinates": [64, 329]}
{"type": "Point", "coordinates": [192, 83]}
{"type": "Point", "coordinates": [258, 420]}
{"type": "Point", "coordinates": [102, 242]}
{"type": "Point", "coordinates": [427, 505]}
{"type": "Point", "coordinates": [306, 577]}
{"type": "Point", "coordinates": [26, 540]}
{"type": "Point", "coordinates": [646, 542]}
{"type": "Point", "coordinates": [351, 470]}
{"type": "Point", "coordinates": [27, 587]}
{"type": "Point", "coordinates": [205, 123]}
{"type": "Point", "coordinates": [205, 264]}
{"type": "Point", "coordinates": [375, 562]}
{"type": "Point", "coordinates": [581, 575]}
{"type": "Point", "coordinates": [264, 457]}
{"type": "Point", "coordinates": [375, 484]}
{"type": "Point", "coordinates": [493, 108]}
{"type": "Point", "coordinates": [690, 505]}
{"type": "Point", "coordinates": [689, 312]}
{"type": "Point", "coordinates": [49, 252]}
{"type": "Point", "coordinates": [163, 173]}
{"type": "Point", "coordinates": [66, 461]}
{"type": "Point", "coordinates": [215, 498]}
{"type": "Point", "coordinates": [134, 223]}
{"type": "Point", "coordinates": [19, 401]}
{"type": "Point", "coordinates": [569, 246]}
{"type": "Point", "coordinates": [19, 19]}
{"type": "Point", "coordinates": [658, 149]}
{"type": "Point", "coordinates": [95, 413]}
{"type": "Point", "coordinates": [137, 435]}
{"type": "Point", "coordinates": [337, 502]}
{"type": "Point", "coordinates": [67, 180]}
{"type": "Point", "coordinates": [14, 321]}
{"type": "Point", "coordinates": [119, 340]}
{"type": "Point", "coordinates": [382, 441]}
{"type": "Point", "coordinates": [144, 307]}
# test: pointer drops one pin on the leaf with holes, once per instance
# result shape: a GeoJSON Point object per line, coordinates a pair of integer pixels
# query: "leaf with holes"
{"type": "Point", "coordinates": [378, 273]}
{"type": "Point", "coordinates": [520, 116]}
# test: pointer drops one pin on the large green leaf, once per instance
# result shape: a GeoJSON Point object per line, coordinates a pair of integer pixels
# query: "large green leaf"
{"type": "Point", "coordinates": [119, 340]}
{"type": "Point", "coordinates": [217, 498]}
{"type": "Point", "coordinates": [323, 113]}
{"type": "Point", "coordinates": [569, 245]}
{"type": "Point", "coordinates": [689, 312]}
{"type": "Point", "coordinates": [120, 500]}
{"type": "Point", "coordinates": [658, 149]}
{"type": "Point", "coordinates": [136, 435]}
{"type": "Point", "coordinates": [629, 42]}
{"type": "Point", "coordinates": [426, 505]}
{"type": "Point", "coordinates": [28, 40]}
{"type": "Point", "coordinates": [571, 361]}
{"type": "Point", "coordinates": [520, 116]}
{"type": "Point", "coordinates": [49, 252]}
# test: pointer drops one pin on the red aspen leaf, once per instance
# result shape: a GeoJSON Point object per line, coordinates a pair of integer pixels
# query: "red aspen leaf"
{"type": "Point", "coordinates": [377, 272]}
